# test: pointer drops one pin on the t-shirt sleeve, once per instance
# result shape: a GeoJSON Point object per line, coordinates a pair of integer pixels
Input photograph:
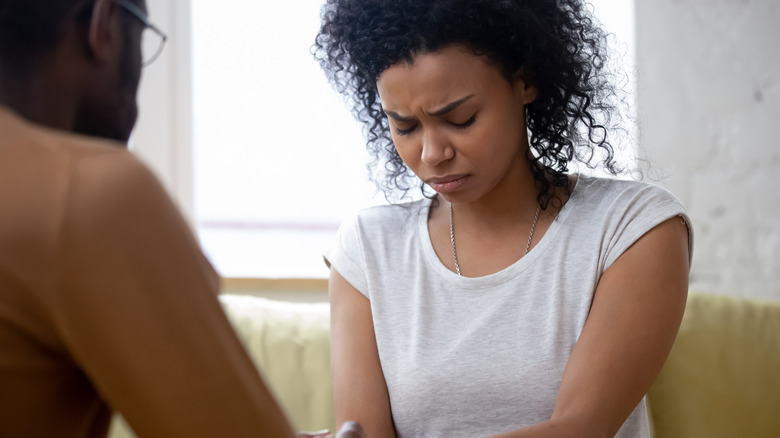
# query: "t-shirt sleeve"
{"type": "Point", "coordinates": [640, 211]}
{"type": "Point", "coordinates": [346, 257]}
{"type": "Point", "coordinates": [138, 311]}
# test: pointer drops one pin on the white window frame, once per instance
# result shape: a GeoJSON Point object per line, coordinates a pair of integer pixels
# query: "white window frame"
{"type": "Point", "coordinates": [163, 134]}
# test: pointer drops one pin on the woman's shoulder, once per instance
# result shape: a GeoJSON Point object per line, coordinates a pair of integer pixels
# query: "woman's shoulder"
{"type": "Point", "coordinates": [390, 216]}
{"type": "Point", "coordinates": [621, 211]}
{"type": "Point", "coordinates": [615, 204]}
{"type": "Point", "coordinates": [382, 232]}
{"type": "Point", "coordinates": [621, 191]}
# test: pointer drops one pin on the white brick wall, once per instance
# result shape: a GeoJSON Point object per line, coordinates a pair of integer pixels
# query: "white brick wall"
{"type": "Point", "coordinates": [709, 110]}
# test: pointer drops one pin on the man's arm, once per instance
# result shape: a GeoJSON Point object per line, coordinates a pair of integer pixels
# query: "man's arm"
{"type": "Point", "coordinates": [138, 311]}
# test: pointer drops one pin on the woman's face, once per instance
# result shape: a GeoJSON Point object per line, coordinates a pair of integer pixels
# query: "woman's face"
{"type": "Point", "coordinates": [457, 122]}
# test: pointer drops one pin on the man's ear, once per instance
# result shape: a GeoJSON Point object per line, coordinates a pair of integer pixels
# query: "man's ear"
{"type": "Point", "coordinates": [103, 31]}
{"type": "Point", "coordinates": [523, 83]}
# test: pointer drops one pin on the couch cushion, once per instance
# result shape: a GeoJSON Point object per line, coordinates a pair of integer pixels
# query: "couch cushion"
{"type": "Point", "coordinates": [722, 378]}
{"type": "Point", "coordinates": [290, 344]}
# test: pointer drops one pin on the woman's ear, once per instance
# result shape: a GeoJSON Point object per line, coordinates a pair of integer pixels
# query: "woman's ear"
{"type": "Point", "coordinates": [524, 88]}
{"type": "Point", "coordinates": [104, 30]}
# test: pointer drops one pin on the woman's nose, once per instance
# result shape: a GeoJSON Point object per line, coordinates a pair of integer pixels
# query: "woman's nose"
{"type": "Point", "coordinates": [436, 148]}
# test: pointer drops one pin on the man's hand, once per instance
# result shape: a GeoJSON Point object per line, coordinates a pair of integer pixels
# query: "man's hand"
{"type": "Point", "coordinates": [349, 429]}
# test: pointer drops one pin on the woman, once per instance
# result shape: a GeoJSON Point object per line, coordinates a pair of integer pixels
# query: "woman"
{"type": "Point", "coordinates": [519, 299]}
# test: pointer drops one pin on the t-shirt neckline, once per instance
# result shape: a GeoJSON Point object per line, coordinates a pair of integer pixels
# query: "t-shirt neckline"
{"type": "Point", "coordinates": [510, 271]}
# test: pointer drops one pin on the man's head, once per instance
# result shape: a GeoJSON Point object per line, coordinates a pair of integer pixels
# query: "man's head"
{"type": "Point", "coordinates": [72, 64]}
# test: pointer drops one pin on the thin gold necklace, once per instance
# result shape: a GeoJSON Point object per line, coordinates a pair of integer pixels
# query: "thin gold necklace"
{"type": "Point", "coordinates": [452, 238]}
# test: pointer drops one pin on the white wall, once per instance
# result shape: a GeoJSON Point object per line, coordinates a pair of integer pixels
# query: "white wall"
{"type": "Point", "coordinates": [709, 109]}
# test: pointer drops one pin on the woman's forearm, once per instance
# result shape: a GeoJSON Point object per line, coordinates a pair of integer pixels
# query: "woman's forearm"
{"type": "Point", "coordinates": [556, 429]}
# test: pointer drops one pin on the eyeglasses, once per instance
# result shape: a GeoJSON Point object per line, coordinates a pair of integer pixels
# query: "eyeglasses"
{"type": "Point", "coordinates": [153, 39]}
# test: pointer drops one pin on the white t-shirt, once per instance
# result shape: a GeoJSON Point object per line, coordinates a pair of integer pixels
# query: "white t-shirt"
{"type": "Point", "coordinates": [477, 356]}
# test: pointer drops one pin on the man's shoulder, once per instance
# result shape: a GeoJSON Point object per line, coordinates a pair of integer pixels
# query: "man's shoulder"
{"type": "Point", "coordinates": [51, 166]}
{"type": "Point", "coordinates": [74, 148]}
{"type": "Point", "coordinates": [54, 185]}
{"type": "Point", "coordinates": [74, 174]}
{"type": "Point", "coordinates": [96, 170]}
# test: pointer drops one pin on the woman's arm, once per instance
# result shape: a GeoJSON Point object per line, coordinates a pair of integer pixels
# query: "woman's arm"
{"type": "Point", "coordinates": [634, 318]}
{"type": "Point", "coordinates": [360, 391]}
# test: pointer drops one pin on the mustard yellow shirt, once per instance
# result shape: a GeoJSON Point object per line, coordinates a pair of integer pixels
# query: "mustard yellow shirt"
{"type": "Point", "coordinates": [107, 302]}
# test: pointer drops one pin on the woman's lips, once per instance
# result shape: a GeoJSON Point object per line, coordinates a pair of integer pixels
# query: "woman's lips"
{"type": "Point", "coordinates": [448, 183]}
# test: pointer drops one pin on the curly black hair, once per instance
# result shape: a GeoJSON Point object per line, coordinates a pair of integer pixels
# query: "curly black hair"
{"type": "Point", "coordinates": [560, 47]}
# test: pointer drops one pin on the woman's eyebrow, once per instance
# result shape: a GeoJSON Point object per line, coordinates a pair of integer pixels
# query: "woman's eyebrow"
{"type": "Point", "coordinates": [449, 107]}
{"type": "Point", "coordinates": [436, 113]}
{"type": "Point", "coordinates": [397, 116]}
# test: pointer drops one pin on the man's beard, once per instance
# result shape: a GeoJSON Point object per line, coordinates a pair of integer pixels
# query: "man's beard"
{"type": "Point", "coordinates": [112, 115]}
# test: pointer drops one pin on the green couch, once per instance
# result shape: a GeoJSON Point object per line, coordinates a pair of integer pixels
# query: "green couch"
{"type": "Point", "coordinates": [722, 378]}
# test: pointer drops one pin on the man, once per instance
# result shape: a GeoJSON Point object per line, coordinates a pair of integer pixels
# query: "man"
{"type": "Point", "coordinates": [106, 301]}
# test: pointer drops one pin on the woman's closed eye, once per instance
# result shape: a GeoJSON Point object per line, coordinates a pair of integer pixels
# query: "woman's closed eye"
{"type": "Point", "coordinates": [407, 131]}
{"type": "Point", "coordinates": [465, 124]}
{"type": "Point", "coordinates": [403, 130]}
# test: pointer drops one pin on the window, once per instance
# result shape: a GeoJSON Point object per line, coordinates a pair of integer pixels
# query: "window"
{"type": "Point", "coordinates": [268, 161]}
{"type": "Point", "coordinates": [279, 161]}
